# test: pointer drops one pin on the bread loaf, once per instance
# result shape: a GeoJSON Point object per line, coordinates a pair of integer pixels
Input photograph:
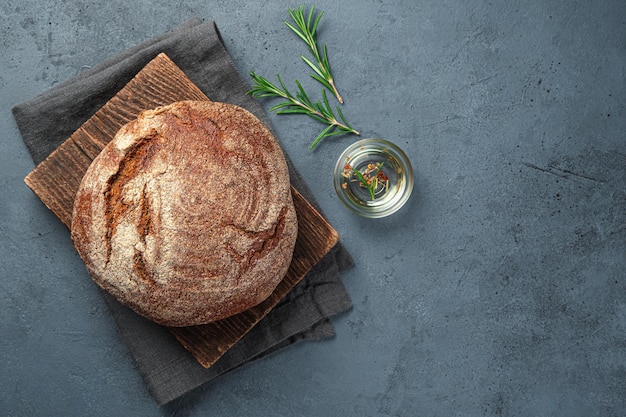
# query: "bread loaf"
{"type": "Point", "coordinates": [186, 216]}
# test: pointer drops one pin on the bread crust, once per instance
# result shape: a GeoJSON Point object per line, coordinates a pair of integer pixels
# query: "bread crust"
{"type": "Point", "coordinates": [186, 216]}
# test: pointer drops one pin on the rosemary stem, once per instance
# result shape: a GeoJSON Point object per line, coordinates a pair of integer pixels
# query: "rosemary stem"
{"type": "Point", "coordinates": [331, 121]}
{"type": "Point", "coordinates": [335, 91]}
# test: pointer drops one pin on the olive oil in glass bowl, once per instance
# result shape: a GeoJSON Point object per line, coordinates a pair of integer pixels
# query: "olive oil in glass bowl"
{"type": "Point", "coordinates": [373, 178]}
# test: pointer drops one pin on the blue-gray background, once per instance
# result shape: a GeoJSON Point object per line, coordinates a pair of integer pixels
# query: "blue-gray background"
{"type": "Point", "coordinates": [499, 290]}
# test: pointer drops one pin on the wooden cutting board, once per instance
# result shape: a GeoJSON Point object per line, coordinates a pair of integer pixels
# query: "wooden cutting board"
{"type": "Point", "coordinates": [56, 180]}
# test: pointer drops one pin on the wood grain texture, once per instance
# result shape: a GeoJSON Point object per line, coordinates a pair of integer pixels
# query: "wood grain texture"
{"type": "Point", "coordinates": [56, 180]}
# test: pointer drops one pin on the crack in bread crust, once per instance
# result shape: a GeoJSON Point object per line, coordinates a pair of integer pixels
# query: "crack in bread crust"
{"type": "Point", "coordinates": [116, 208]}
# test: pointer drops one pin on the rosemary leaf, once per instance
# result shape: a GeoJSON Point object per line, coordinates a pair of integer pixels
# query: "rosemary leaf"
{"type": "Point", "coordinates": [361, 178]}
{"type": "Point", "coordinates": [324, 133]}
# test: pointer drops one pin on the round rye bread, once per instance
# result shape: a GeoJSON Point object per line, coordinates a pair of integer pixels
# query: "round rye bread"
{"type": "Point", "coordinates": [186, 216]}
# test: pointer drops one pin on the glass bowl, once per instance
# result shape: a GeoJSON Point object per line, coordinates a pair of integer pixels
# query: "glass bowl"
{"type": "Point", "coordinates": [388, 171]}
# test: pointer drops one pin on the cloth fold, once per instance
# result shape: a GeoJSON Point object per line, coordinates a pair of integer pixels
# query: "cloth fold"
{"type": "Point", "coordinates": [197, 48]}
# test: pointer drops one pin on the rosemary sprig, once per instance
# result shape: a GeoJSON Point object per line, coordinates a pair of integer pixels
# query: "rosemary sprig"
{"type": "Point", "coordinates": [302, 104]}
{"type": "Point", "coordinates": [370, 178]}
{"type": "Point", "coordinates": [306, 30]}
{"type": "Point", "coordinates": [371, 182]}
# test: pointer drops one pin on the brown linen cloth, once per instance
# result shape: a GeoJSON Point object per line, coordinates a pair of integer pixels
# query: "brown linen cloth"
{"type": "Point", "coordinates": [167, 368]}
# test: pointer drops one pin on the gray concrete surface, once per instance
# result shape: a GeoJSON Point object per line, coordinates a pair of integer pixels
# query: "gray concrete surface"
{"type": "Point", "coordinates": [499, 290]}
